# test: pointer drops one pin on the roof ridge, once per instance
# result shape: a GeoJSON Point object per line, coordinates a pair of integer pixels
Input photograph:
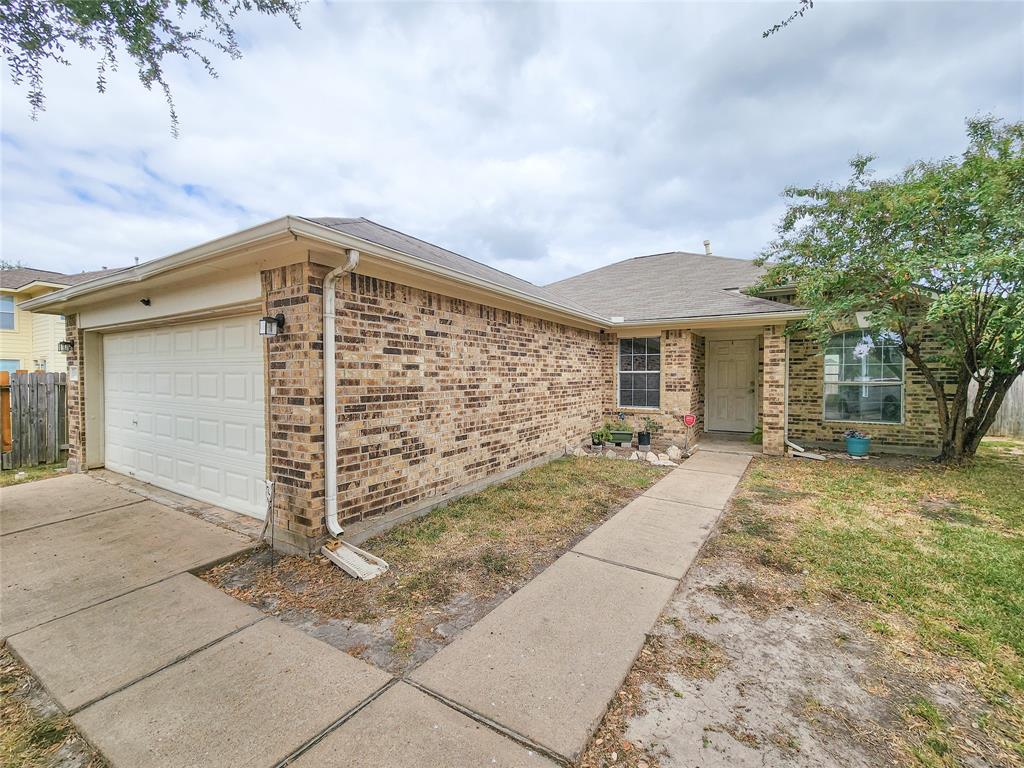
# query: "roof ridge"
{"type": "Point", "coordinates": [649, 256]}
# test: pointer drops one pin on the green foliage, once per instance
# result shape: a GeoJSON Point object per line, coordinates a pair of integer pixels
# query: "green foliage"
{"type": "Point", "coordinates": [938, 249]}
{"type": "Point", "coordinates": [33, 32]}
{"type": "Point", "coordinates": [651, 426]}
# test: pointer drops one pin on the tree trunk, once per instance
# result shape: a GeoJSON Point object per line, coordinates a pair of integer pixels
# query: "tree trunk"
{"type": "Point", "coordinates": [965, 427]}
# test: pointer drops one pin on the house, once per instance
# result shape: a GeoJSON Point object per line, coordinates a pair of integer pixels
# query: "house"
{"type": "Point", "coordinates": [28, 340]}
{"type": "Point", "coordinates": [204, 372]}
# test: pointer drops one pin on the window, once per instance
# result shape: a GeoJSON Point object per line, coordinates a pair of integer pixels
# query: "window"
{"type": "Point", "coordinates": [640, 373]}
{"type": "Point", "coordinates": [6, 313]}
{"type": "Point", "coordinates": [864, 377]}
{"type": "Point", "coordinates": [9, 365]}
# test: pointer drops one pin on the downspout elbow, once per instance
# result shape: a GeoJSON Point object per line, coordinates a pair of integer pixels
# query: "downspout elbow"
{"type": "Point", "coordinates": [331, 394]}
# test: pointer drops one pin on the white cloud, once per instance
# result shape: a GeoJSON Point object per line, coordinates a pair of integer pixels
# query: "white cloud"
{"type": "Point", "coordinates": [543, 139]}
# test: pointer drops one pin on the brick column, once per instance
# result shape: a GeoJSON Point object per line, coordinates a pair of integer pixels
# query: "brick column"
{"type": "Point", "coordinates": [678, 381]}
{"type": "Point", "coordinates": [75, 395]}
{"type": "Point", "coordinates": [773, 391]}
{"type": "Point", "coordinates": [294, 410]}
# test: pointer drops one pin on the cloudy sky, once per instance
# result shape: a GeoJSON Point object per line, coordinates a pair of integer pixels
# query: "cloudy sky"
{"type": "Point", "coordinates": [542, 139]}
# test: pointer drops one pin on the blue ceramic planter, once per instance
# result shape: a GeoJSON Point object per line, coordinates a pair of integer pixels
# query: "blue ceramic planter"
{"type": "Point", "coordinates": [858, 446]}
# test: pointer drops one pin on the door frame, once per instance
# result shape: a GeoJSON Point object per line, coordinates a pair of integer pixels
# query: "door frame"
{"type": "Point", "coordinates": [754, 338]}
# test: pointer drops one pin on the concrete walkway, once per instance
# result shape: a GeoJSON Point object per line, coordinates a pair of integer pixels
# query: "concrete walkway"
{"type": "Point", "coordinates": [160, 669]}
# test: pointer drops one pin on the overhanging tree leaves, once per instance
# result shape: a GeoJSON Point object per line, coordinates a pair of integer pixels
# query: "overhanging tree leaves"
{"type": "Point", "coordinates": [936, 253]}
{"type": "Point", "coordinates": [33, 32]}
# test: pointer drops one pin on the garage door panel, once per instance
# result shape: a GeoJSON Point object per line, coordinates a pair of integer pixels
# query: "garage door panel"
{"type": "Point", "coordinates": [184, 410]}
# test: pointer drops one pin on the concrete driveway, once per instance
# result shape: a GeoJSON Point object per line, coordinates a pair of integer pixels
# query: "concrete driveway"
{"type": "Point", "coordinates": [157, 668]}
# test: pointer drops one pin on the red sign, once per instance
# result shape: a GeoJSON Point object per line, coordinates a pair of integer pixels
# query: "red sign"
{"type": "Point", "coordinates": [689, 419]}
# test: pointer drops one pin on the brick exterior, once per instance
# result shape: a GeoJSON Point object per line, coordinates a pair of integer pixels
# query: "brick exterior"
{"type": "Point", "coordinates": [75, 395]}
{"type": "Point", "coordinates": [294, 396]}
{"type": "Point", "coordinates": [436, 393]}
{"type": "Point", "coordinates": [919, 432]}
{"type": "Point", "coordinates": [773, 390]}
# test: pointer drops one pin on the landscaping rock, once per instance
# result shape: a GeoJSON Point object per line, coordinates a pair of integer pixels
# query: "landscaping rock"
{"type": "Point", "coordinates": [634, 456]}
{"type": "Point", "coordinates": [610, 454]}
{"type": "Point", "coordinates": [652, 458]}
{"type": "Point", "coordinates": [674, 453]}
{"type": "Point", "coordinates": [663, 457]}
{"type": "Point", "coordinates": [579, 452]}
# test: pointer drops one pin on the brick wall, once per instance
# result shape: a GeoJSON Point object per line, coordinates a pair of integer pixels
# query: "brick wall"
{"type": "Point", "coordinates": [919, 431]}
{"type": "Point", "coordinates": [436, 393]}
{"type": "Point", "coordinates": [75, 395]}
{"type": "Point", "coordinates": [773, 390]}
{"type": "Point", "coordinates": [294, 394]}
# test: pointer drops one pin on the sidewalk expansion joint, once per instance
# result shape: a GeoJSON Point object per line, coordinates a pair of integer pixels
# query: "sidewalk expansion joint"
{"type": "Point", "coordinates": [708, 472]}
{"type": "Point", "coordinates": [304, 748]}
{"type": "Point", "coordinates": [686, 503]}
{"type": "Point", "coordinates": [71, 519]}
{"type": "Point", "coordinates": [625, 565]}
{"type": "Point", "coordinates": [494, 725]}
{"type": "Point", "coordinates": [168, 665]}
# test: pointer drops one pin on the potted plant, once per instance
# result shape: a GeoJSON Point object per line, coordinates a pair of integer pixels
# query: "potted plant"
{"type": "Point", "coordinates": [643, 438]}
{"type": "Point", "coordinates": [601, 436]}
{"type": "Point", "coordinates": [620, 432]}
{"type": "Point", "coordinates": [857, 443]}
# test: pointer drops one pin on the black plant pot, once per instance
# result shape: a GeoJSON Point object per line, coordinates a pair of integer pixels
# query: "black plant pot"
{"type": "Point", "coordinates": [643, 440]}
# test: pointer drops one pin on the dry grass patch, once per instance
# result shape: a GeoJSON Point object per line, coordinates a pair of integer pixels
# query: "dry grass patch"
{"type": "Point", "coordinates": [453, 564]}
{"type": "Point", "coordinates": [34, 733]}
{"type": "Point", "coordinates": [10, 477]}
{"type": "Point", "coordinates": [928, 559]}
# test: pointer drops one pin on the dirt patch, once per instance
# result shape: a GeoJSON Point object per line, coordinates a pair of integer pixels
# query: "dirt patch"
{"type": "Point", "coordinates": [34, 732]}
{"type": "Point", "coordinates": [448, 569]}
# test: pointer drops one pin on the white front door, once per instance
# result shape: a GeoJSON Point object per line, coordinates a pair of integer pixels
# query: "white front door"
{"type": "Point", "coordinates": [183, 408]}
{"type": "Point", "coordinates": [732, 368]}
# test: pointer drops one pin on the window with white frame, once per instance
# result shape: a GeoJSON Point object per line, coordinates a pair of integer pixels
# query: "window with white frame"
{"type": "Point", "coordinates": [864, 377]}
{"type": "Point", "coordinates": [640, 372]}
{"type": "Point", "coordinates": [6, 312]}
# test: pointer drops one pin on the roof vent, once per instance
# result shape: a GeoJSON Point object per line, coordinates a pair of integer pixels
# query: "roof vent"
{"type": "Point", "coordinates": [707, 247]}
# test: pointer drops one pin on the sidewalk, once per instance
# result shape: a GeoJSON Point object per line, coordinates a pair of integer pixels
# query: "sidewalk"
{"type": "Point", "coordinates": [160, 669]}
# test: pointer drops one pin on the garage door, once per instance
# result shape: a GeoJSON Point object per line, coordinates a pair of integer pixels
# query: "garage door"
{"type": "Point", "coordinates": [184, 410]}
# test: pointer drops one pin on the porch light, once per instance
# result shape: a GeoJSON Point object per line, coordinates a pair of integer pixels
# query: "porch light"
{"type": "Point", "coordinates": [271, 326]}
{"type": "Point", "coordinates": [65, 346]}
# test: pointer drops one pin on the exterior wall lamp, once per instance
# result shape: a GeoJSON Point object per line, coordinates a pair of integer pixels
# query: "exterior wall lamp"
{"type": "Point", "coordinates": [271, 326]}
{"type": "Point", "coordinates": [65, 346]}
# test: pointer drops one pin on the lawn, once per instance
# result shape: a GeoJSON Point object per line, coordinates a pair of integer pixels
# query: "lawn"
{"type": "Point", "coordinates": [34, 733]}
{"type": "Point", "coordinates": [28, 474]}
{"type": "Point", "coordinates": [857, 613]}
{"type": "Point", "coordinates": [448, 568]}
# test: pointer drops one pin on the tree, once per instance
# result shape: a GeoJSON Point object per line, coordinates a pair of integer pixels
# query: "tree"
{"type": "Point", "coordinates": [934, 253]}
{"type": "Point", "coordinates": [803, 7]}
{"type": "Point", "coordinates": [33, 32]}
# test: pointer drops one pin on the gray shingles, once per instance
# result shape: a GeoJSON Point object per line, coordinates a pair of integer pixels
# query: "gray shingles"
{"type": "Point", "coordinates": [12, 279]}
{"type": "Point", "coordinates": [433, 254]}
{"type": "Point", "coordinates": [669, 285]}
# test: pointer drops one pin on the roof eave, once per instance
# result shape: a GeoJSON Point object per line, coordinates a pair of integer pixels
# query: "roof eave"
{"type": "Point", "coordinates": [697, 321]}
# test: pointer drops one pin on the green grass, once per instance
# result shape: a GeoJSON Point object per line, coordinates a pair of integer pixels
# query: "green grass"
{"type": "Point", "coordinates": [41, 472]}
{"type": "Point", "coordinates": [937, 549]}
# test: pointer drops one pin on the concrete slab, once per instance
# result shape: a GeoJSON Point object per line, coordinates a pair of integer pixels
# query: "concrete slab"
{"type": "Point", "coordinates": [48, 572]}
{"type": "Point", "coordinates": [94, 652]}
{"type": "Point", "coordinates": [406, 727]}
{"type": "Point", "coordinates": [652, 534]}
{"type": "Point", "coordinates": [250, 700]}
{"type": "Point", "coordinates": [734, 464]}
{"type": "Point", "coordinates": [702, 489]}
{"type": "Point", "coordinates": [548, 659]}
{"type": "Point", "coordinates": [59, 498]}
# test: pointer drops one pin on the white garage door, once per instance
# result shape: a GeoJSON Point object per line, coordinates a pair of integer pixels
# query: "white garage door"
{"type": "Point", "coordinates": [184, 410]}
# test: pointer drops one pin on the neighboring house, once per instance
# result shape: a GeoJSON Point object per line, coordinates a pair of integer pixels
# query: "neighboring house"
{"type": "Point", "coordinates": [444, 373]}
{"type": "Point", "coordinates": [28, 341]}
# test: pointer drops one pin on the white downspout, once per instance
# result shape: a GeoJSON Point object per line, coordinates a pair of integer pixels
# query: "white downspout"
{"type": "Point", "coordinates": [331, 395]}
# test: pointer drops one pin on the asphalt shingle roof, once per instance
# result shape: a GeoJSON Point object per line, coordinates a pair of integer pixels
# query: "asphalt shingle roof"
{"type": "Point", "coordinates": [12, 279]}
{"type": "Point", "coordinates": [669, 285]}
{"type": "Point", "coordinates": [421, 249]}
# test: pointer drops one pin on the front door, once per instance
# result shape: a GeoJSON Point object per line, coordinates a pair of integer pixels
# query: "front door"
{"type": "Point", "coordinates": [732, 368]}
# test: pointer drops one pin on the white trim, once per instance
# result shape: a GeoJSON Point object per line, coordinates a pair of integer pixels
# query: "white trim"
{"type": "Point", "coordinates": [660, 372]}
{"type": "Point", "coordinates": [902, 385]}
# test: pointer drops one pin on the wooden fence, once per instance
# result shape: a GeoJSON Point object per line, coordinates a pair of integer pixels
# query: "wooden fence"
{"type": "Point", "coordinates": [33, 414]}
{"type": "Point", "coordinates": [1009, 421]}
